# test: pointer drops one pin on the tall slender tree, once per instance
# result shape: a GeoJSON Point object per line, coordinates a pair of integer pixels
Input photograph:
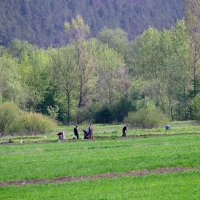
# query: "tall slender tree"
{"type": "Point", "coordinates": [79, 33]}
{"type": "Point", "coordinates": [64, 72]}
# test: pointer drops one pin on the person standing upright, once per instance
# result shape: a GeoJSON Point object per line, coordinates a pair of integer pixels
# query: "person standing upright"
{"type": "Point", "coordinates": [124, 131]}
{"type": "Point", "coordinates": [76, 132]}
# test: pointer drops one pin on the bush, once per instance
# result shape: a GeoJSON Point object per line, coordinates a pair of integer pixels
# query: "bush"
{"type": "Point", "coordinates": [9, 118]}
{"type": "Point", "coordinates": [36, 123]}
{"type": "Point", "coordinates": [13, 121]}
{"type": "Point", "coordinates": [121, 109]}
{"type": "Point", "coordinates": [87, 114]}
{"type": "Point", "coordinates": [104, 115]}
{"type": "Point", "coordinates": [147, 117]}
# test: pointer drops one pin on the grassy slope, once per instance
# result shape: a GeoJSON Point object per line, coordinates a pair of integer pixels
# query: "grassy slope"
{"type": "Point", "coordinates": [166, 186]}
{"type": "Point", "coordinates": [18, 162]}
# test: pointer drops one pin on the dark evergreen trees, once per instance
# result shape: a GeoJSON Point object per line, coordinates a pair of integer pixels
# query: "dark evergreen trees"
{"type": "Point", "coordinates": [41, 21]}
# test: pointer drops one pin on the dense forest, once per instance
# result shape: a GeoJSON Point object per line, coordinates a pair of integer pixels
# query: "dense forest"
{"type": "Point", "coordinates": [41, 21]}
{"type": "Point", "coordinates": [109, 77]}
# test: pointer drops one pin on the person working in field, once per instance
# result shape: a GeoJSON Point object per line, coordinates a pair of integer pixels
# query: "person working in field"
{"type": "Point", "coordinates": [86, 134]}
{"type": "Point", "coordinates": [167, 127]}
{"type": "Point", "coordinates": [124, 131]}
{"type": "Point", "coordinates": [90, 131]}
{"type": "Point", "coordinates": [61, 135]}
{"type": "Point", "coordinates": [76, 132]}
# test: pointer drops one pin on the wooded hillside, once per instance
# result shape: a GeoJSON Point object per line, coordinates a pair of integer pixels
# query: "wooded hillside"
{"type": "Point", "coordinates": [41, 21]}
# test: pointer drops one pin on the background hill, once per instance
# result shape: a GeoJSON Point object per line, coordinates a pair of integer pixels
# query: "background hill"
{"type": "Point", "coordinates": [41, 21]}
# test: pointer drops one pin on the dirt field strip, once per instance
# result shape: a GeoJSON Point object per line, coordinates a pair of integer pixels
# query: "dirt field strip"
{"type": "Point", "coordinates": [166, 170]}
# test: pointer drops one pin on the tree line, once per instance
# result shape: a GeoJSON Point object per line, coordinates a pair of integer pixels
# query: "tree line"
{"type": "Point", "coordinates": [104, 78]}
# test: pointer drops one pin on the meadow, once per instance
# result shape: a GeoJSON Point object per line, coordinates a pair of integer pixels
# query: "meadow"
{"type": "Point", "coordinates": [166, 186]}
{"type": "Point", "coordinates": [44, 157]}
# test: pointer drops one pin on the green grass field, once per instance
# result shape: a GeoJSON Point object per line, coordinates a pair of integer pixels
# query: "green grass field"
{"type": "Point", "coordinates": [177, 186]}
{"type": "Point", "coordinates": [151, 149]}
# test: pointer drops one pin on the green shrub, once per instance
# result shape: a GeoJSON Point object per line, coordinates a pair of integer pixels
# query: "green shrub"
{"type": "Point", "coordinates": [147, 117]}
{"type": "Point", "coordinates": [36, 123]}
{"type": "Point", "coordinates": [9, 118]}
{"type": "Point", "coordinates": [121, 109]}
{"type": "Point", "coordinates": [116, 113]}
{"type": "Point", "coordinates": [87, 114]}
{"type": "Point", "coordinates": [104, 115]}
{"type": "Point", "coordinates": [13, 121]}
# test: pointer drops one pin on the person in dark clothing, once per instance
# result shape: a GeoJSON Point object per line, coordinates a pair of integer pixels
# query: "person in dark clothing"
{"type": "Point", "coordinates": [76, 132]}
{"type": "Point", "coordinates": [90, 131]}
{"type": "Point", "coordinates": [86, 135]}
{"type": "Point", "coordinates": [167, 127]}
{"type": "Point", "coordinates": [124, 130]}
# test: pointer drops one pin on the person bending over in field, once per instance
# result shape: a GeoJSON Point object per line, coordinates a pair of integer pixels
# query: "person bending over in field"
{"type": "Point", "coordinates": [124, 131]}
{"type": "Point", "coordinates": [167, 127]}
{"type": "Point", "coordinates": [61, 135]}
{"type": "Point", "coordinates": [86, 134]}
{"type": "Point", "coordinates": [76, 132]}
